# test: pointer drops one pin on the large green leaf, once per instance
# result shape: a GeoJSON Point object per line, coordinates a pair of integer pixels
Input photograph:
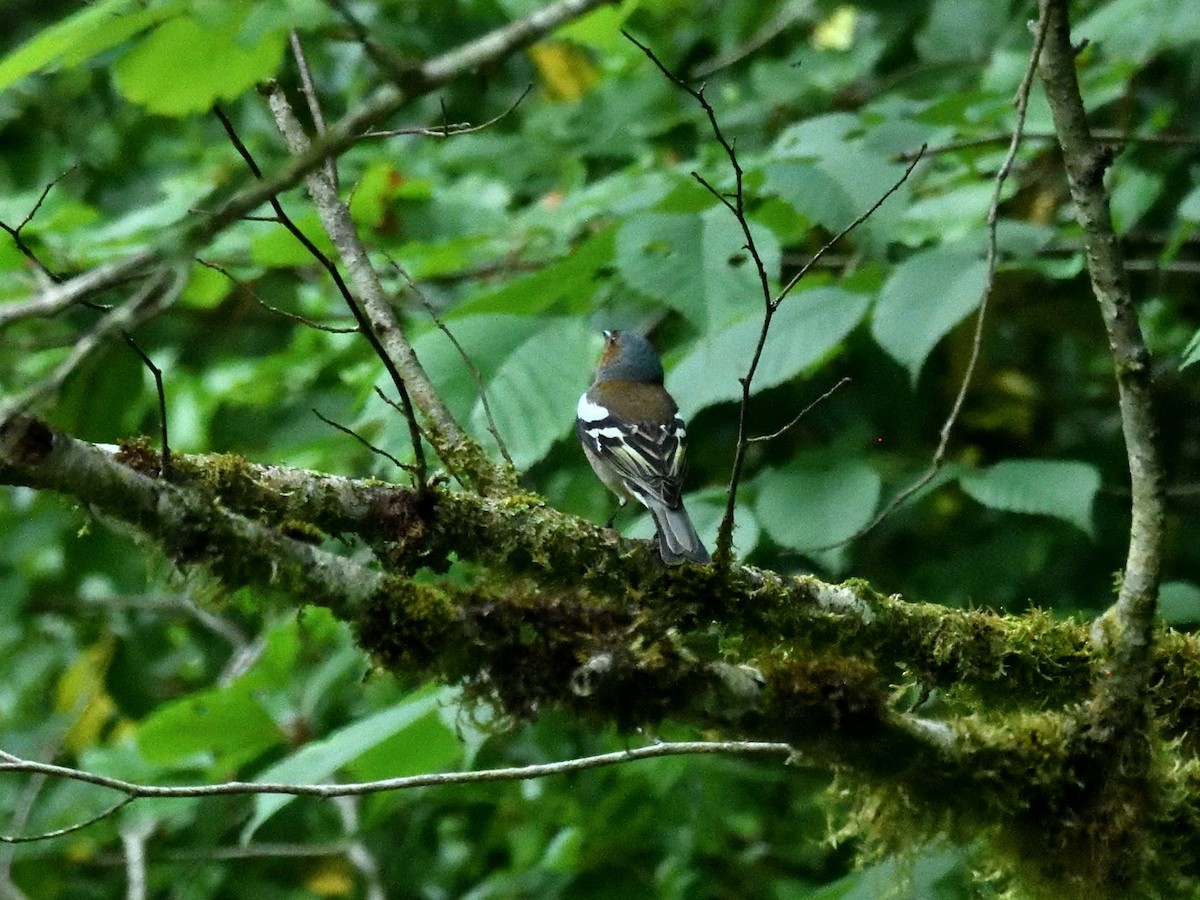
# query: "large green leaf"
{"type": "Point", "coordinates": [806, 328]}
{"type": "Point", "coordinates": [1063, 489]}
{"type": "Point", "coordinates": [534, 392]}
{"type": "Point", "coordinates": [225, 725]}
{"type": "Point", "coordinates": [570, 281]}
{"type": "Point", "coordinates": [813, 193]}
{"type": "Point", "coordinates": [95, 28]}
{"type": "Point", "coordinates": [816, 504]}
{"type": "Point", "coordinates": [316, 761]}
{"type": "Point", "coordinates": [926, 296]}
{"type": "Point", "coordinates": [695, 264]}
{"type": "Point", "coordinates": [187, 64]}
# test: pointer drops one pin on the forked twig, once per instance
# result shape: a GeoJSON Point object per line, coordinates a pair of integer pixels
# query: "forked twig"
{"type": "Point", "coordinates": [737, 206]}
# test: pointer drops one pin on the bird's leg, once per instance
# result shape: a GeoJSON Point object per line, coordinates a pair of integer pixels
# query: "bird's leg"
{"type": "Point", "coordinates": [620, 506]}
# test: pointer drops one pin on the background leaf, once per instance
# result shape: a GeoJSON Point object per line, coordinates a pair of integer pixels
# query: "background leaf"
{"type": "Point", "coordinates": [1056, 488]}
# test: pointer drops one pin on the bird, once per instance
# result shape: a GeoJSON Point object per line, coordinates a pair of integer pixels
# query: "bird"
{"type": "Point", "coordinates": [635, 440]}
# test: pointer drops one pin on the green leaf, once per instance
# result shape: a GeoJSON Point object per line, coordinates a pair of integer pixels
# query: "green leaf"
{"type": "Point", "coordinates": [230, 725]}
{"type": "Point", "coordinates": [277, 248]}
{"type": "Point", "coordinates": [91, 31]}
{"type": "Point", "coordinates": [426, 745]}
{"type": "Point", "coordinates": [925, 297]}
{"type": "Point", "coordinates": [813, 193]}
{"type": "Point", "coordinates": [1179, 603]}
{"type": "Point", "coordinates": [186, 65]}
{"type": "Point", "coordinates": [315, 762]}
{"type": "Point", "coordinates": [569, 282]}
{"type": "Point", "coordinates": [487, 341]}
{"type": "Point", "coordinates": [1058, 488]}
{"type": "Point", "coordinates": [1191, 352]}
{"type": "Point", "coordinates": [1132, 192]}
{"type": "Point", "coordinates": [696, 264]}
{"type": "Point", "coordinates": [807, 327]}
{"type": "Point", "coordinates": [534, 392]}
{"type": "Point", "coordinates": [815, 504]}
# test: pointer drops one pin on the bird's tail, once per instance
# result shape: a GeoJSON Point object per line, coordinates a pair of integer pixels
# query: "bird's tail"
{"type": "Point", "coordinates": [677, 539]}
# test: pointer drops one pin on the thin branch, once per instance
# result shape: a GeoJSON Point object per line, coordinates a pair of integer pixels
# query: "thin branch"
{"type": "Point", "coordinates": [15, 233]}
{"type": "Point", "coordinates": [802, 414]}
{"type": "Point", "coordinates": [493, 430]}
{"type": "Point", "coordinates": [788, 16]}
{"type": "Point", "coordinates": [157, 293]}
{"type": "Point", "coordinates": [724, 550]}
{"type": "Point", "coordinates": [308, 88]}
{"type": "Point", "coordinates": [1127, 627]}
{"type": "Point", "coordinates": [858, 220]}
{"type": "Point", "coordinates": [162, 402]}
{"type": "Point", "coordinates": [451, 130]}
{"type": "Point", "coordinates": [362, 440]}
{"type": "Point", "coordinates": [59, 832]}
{"type": "Point", "coordinates": [136, 791]}
{"type": "Point", "coordinates": [1021, 104]}
{"type": "Point", "coordinates": [332, 329]}
{"type": "Point", "coordinates": [376, 321]}
{"type": "Point", "coordinates": [1108, 135]}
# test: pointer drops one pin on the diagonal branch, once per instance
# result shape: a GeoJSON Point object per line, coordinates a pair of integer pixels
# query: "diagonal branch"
{"type": "Point", "coordinates": [372, 306]}
{"type": "Point", "coordinates": [185, 239]}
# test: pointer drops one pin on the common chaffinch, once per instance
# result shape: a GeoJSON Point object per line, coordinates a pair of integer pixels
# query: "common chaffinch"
{"type": "Point", "coordinates": [634, 438]}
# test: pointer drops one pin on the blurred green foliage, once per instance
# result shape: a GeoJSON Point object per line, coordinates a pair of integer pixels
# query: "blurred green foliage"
{"type": "Point", "coordinates": [576, 211]}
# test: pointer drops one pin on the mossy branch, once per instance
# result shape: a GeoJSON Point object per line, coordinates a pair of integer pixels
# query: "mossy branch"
{"type": "Point", "coordinates": [532, 609]}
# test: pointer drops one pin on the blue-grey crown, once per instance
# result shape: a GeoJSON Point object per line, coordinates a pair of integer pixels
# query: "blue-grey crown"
{"type": "Point", "coordinates": [636, 360]}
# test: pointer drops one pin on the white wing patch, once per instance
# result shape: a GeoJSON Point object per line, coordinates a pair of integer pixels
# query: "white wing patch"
{"type": "Point", "coordinates": [588, 411]}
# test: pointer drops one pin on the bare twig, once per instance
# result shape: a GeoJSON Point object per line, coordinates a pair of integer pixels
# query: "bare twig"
{"type": "Point", "coordinates": [309, 89]}
{"type": "Point", "coordinates": [380, 324]}
{"type": "Point", "coordinates": [771, 303]}
{"type": "Point", "coordinates": [362, 440]}
{"type": "Point", "coordinates": [1108, 135]}
{"type": "Point", "coordinates": [157, 293]}
{"type": "Point", "coordinates": [59, 832]}
{"type": "Point", "coordinates": [162, 402]}
{"type": "Point", "coordinates": [858, 220]}
{"type": "Point", "coordinates": [804, 412]}
{"type": "Point", "coordinates": [450, 129]}
{"type": "Point", "coordinates": [1021, 103]}
{"type": "Point", "coordinates": [737, 206]}
{"type": "Point", "coordinates": [332, 329]}
{"type": "Point", "coordinates": [15, 233]}
{"type": "Point", "coordinates": [134, 791]}
{"type": "Point", "coordinates": [790, 14]}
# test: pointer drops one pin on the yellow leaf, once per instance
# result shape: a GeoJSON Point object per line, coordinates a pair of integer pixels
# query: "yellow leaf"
{"type": "Point", "coordinates": [567, 72]}
{"type": "Point", "coordinates": [332, 878]}
{"type": "Point", "coordinates": [836, 32]}
{"type": "Point", "coordinates": [81, 695]}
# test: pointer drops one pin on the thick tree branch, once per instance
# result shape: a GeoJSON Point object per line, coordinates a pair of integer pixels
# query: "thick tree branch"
{"type": "Point", "coordinates": [192, 530]}
{"type": "Point", "coordinates": [562, 614]}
